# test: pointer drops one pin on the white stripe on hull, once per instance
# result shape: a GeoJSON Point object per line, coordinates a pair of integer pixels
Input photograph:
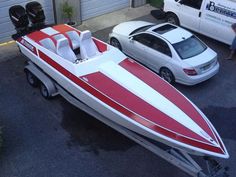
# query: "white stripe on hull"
{"type": "Point", "coordinates": [151, 96]}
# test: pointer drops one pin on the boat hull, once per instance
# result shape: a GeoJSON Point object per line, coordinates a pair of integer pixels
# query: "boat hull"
{"type": "Point", "coordinates": [66, 76]}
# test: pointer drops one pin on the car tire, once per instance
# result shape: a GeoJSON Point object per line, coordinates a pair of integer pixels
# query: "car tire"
{"type": "Point", "coordinates": [114, 42]}
{"type": "Point", "coordinates": [44, 91]}
{"type": "Point", "coordinates": [31, 79]}
{"type": "Point", "coordinates": [172, 18]}
{"type": "Point", "coordinates": [167, 75]}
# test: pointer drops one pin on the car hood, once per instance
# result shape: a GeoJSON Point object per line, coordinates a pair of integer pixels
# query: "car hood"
{"type": "Point", "coordinates": [201, 59]}
{"type": "Point", "coordinates": [127, 27]}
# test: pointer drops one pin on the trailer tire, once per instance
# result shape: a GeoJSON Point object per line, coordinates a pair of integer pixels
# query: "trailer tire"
{"type": "Point", "coordinates": [31, 79]}
{"type": "Point", "coordinates": [44, 91]}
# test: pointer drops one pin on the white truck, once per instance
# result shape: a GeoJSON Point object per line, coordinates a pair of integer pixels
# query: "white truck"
{"type": "Point", "coordinates": [212, 18]}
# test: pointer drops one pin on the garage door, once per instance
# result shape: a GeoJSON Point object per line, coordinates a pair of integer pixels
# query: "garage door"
{"type": "Point", "coordinates": [93, 8]}
{"type": "Point", "coordinates": [7, 29]}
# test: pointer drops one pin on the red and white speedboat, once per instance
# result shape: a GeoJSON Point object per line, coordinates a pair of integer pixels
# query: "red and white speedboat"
{"type": "Point", "coordinates": [122, 90]}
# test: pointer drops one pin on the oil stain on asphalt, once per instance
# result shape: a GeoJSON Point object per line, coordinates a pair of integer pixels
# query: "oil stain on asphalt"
{"type": "Point", "coordinates": [89, 134]}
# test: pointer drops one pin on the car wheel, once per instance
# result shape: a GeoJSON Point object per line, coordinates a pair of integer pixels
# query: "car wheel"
{"type": "Point", "coordinates": [167, 75]}
{"type": "Point", "coordinates": [114, 42]}
{"type": "Point", "coordinates": [44, 91]}
{"type": "Point", "coordinates": [32, 80]}
{"type": "Point", "coordinates": [172, 18]}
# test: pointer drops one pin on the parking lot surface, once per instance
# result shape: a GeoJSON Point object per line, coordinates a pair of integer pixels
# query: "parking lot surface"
{"type": "Point", "coordinates": [47, 138]}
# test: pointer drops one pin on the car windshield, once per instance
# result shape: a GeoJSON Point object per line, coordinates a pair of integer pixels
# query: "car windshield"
{"type": "Point", "coordinates": [141, 29]}
{"type": "Point", "coordinates": [190, 47]}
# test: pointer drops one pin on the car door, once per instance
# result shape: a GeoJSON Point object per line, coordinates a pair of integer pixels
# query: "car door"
{"type": "Point", "coordinates": [137, 46]}
{"type": "Point", "coordinates": [190, 13]}
{"type": "Point", "coordinates": [158, 54]}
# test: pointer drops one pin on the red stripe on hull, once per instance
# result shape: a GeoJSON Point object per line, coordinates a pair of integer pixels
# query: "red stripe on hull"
{"type": "Point", "coordinates": [125, 111]}
{"type": "Point", "coordinates": [163, 88]}
{"type": "Point", "coordinates": [137, 105]}
{"type": "Point", "coordinates": [102, 47]}
{"type": "Point", "coordinates": [27, 45]}
{"type": "Point", "coordinates": [62, 28]}
{"type": "Point", "coordinates": [37, 36]}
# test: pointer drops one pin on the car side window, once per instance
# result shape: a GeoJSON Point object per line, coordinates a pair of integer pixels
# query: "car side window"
{"type": "Point", "coordinates": [196, 4]}
{"type": "Point", "coordinates": [161, 46]}
{"type": "Point", "coordinates": [145, 39]}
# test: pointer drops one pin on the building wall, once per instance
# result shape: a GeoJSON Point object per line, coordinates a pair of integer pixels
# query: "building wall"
{"type": "Point", "coordinates": [7, 29]}
{"type": "Point", "coordinates": [85, 9]}
{"type": "Point", "coordinates": [93, 8]}
{"type": "Point", "coordinates": [138, 3]}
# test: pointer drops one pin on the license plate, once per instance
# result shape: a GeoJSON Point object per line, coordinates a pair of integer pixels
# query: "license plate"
{"type": "Point", "coordinates": [206, 66]}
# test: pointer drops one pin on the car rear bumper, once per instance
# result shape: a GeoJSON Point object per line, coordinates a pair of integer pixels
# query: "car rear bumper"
{"type": "Point", "coordinates": [192, 80]}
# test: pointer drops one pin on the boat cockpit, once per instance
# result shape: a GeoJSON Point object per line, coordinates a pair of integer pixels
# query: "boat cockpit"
{"type": "Point", "coordinates": [72, 46]}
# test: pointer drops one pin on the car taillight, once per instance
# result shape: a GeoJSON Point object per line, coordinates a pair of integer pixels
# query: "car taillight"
{"type": "Point", "coordinates": [190, 72]}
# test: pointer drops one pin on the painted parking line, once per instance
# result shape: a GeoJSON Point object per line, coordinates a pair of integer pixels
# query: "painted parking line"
{"type": "Point", "coordinates": [6, 43]}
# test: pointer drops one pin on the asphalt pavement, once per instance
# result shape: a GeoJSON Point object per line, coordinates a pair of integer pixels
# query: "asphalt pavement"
{"type": "Point", "coordinates": [52, 138]}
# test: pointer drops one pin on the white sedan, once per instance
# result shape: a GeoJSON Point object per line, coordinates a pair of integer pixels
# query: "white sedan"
{"type": "Point", "coordinates": [173, 52]}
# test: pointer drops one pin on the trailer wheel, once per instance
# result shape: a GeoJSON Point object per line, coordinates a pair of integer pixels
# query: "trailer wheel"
{"type": "Point", "coordinates": [32, 80]}
{"type": "Point", "coordinates": [44, 91]}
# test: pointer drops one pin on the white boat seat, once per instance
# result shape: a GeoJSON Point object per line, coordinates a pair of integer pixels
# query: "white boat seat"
{"type": "Point", "coordinates": [48, 44]}
{"type": "Point", "coordinates": [75, 39]}
{"type": "Point", "coordinates": [64, 50]}
{"type": "Point", "coordinates": [58, 36]}
{"type": "Point", "coordinates": [88, 48]}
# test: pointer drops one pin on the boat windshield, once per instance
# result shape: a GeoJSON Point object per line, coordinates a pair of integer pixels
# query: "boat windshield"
{"type": "Point", "coordinates": [190, 47]}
